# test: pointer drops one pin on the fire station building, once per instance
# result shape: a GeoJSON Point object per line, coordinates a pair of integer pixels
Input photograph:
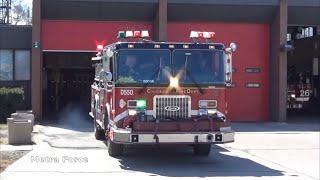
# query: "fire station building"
{"type": "Point", "coordinates": [65, 34]}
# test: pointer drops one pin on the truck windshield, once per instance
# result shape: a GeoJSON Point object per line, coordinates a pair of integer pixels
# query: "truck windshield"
{"type": "Point", "coordinates": [200, 66]}
{"type": "Point", "coordinates": [142, 66]}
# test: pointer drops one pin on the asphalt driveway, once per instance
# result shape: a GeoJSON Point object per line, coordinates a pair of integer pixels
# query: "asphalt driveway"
{"type": "Point", "coordinates": [264, 151]}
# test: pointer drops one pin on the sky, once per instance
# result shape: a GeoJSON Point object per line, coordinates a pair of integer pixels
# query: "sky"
{"type": "Point", "coordinates": [26, 2]}
{"type": "Point", "coordinates": [29, 2]}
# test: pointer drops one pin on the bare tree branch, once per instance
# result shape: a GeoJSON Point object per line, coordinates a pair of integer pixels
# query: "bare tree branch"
{"type": "Point", "coordinates": [20, 13]}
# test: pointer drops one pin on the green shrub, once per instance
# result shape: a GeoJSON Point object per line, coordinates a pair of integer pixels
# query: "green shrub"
{"type": "Point", "coordinates": [11, 99]}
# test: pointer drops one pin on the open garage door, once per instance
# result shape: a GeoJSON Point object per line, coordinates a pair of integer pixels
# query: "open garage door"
{"type": "Point", "coordinates": [303, 89]}
{"type": "Point", "coordinates": [67, 80]}
{"type": "Point", "coordinates": [68, 47]}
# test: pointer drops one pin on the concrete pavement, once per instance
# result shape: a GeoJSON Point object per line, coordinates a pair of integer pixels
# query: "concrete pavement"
{"type": "Point", "coordinates": [277, 151]}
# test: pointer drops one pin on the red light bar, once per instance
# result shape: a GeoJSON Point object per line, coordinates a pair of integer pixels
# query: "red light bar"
{"type": "Point", "coordinates": [137, 34]}
{"type": "Point", "coordinates": [201, 35]}
{"type": "Point", "coordinates": [212, 35]}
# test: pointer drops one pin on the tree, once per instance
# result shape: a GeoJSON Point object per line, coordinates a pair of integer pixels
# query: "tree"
{"type": "Point", "coordinates": [20, 13]}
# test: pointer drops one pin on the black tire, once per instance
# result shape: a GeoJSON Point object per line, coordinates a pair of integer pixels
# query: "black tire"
{"type": "Point", "coordinates": [114, 149]}
{"type": "Point", "coordinates": [202, 149]}
{"type": "Point", "coordinates": [106, 121]}
{"type": "Point", "coordinates": [98, 131]}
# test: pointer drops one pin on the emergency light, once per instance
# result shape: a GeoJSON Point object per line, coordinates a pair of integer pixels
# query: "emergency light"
{"type": "Point", "coordinates": [129, 34]}
{"type": "Point", "coordinates": [145, 34]}
{"type": "Point", "coordinates": [121, 34]}
{"type": "Point", "coordinates": [141, 104]}
{"type": "Point", "coordinates": [137, 104]}
{"type": "Point", "coordinates": [205, 35]}
{"type": "Point", "coordinates": [133, 34]}
{"type": "Point", "coordinates": [174, 82]}
{"type": "Point", "coordinates": [137, 34]}
{"type": "Point", "coordinates": [100, 47]}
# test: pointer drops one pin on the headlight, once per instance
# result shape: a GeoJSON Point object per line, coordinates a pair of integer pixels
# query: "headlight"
{"type": "Point", "coordinates": [132, 112]}
{"type": "Point", "coordinates": [207, 104]}
{"type": "Point", "coordinates": [210, 111]}
{"type": "Point", "coordinates": [293, 95]}
{"type": "Point", "coordinates": [205, 112]}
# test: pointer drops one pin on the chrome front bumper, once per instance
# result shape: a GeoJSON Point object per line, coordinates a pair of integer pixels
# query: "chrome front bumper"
{"type": "Point", "coordinates": [127, 137]}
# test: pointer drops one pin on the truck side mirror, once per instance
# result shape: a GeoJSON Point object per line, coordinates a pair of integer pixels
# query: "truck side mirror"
{"type": "Point", "coordinates": [108, 76]}
{"type": "Point", "coordinates": [109, 53]}
{"type": "Point", "coordinates": [228, 61]}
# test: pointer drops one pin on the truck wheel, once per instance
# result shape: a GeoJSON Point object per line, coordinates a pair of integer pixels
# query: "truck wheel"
{"type": "Point", "coordinates": [98, 131]}
{"type": "Point", "coordinates": [114, 149]}
{"type": "Point", "coordinates": [202, 149]}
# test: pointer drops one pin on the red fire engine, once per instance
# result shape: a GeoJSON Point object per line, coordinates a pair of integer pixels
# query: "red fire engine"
{"type": "Point", "coordinates": [147, 92]}
{"type": "Point", "coordinates": [299, 89]}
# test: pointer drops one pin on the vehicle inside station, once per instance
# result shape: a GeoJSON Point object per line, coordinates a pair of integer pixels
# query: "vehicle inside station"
{"type": "Point", "coordinates": [303, 82]}
{"type": "Point", "coordinates": [66, 81]}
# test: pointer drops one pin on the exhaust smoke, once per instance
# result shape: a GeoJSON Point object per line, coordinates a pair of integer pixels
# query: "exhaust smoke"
{"type": "Point", "coordinates": [75, 116]}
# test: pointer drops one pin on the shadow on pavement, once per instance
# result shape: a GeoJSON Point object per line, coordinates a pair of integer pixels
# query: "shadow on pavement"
{"type": "Point", "coordinates": [171, 161]}
{"type": "Point", "coordinates": [277, 127]}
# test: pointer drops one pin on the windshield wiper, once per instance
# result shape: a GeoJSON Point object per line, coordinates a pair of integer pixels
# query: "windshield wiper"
{"type": "Point", "coordinates": [189, 75]}
{"type": "Point", "coordinates": [194, 81]}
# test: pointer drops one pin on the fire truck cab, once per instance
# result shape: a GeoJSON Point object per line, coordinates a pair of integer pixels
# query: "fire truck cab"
{"type": "Point", "coordinates": [147, 92]}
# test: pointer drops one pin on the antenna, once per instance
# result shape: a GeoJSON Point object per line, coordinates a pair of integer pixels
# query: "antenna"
{"type": "Point", "coordinates": [5, 15]}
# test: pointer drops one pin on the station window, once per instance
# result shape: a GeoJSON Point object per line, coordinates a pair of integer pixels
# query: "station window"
{"type": "Point", "coordinates": [22, 65]}
{"type": "Point", "coordinates": [6, 65]}
{"type": "Point", "coordinates": [305, 32]}
{"type": "Point", "coordinates": [288, 37]}
{"type": "Point", "coordinates": [14, 65]}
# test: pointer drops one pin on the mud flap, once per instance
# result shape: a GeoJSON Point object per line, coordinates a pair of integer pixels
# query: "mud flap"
{"type": "Point", "coordinates": [156, 132]}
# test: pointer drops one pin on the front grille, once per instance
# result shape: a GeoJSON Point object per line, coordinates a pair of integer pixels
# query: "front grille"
{"type": "Point", "coordinates": [166, 106]}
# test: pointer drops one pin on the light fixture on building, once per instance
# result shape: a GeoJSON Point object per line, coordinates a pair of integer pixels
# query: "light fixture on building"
{"type": "Point", "coordinates": [286, 47]}
{"type": "Point", "coordinates": [316, 45]}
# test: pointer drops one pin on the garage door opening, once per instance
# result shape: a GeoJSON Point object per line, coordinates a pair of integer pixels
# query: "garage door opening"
{"type": "Point", "coordinates": [303, 85]}
{"type": "Point", "coordinates": [67, 80]}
